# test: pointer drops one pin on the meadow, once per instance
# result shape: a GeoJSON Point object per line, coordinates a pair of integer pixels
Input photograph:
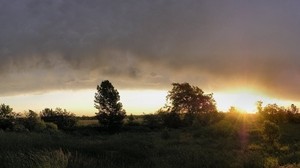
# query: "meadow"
{"type": "Point", "coordinates": [234, 141]}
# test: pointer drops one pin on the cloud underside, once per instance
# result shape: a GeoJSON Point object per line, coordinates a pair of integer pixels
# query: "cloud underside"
{"type": "Point", "coordinates": [56, 45]}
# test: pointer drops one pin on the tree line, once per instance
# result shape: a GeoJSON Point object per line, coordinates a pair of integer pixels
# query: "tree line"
{"type": "Point", "coordinates": [47, 120]}
{"type": "Point", "coordinates": [186, 105]}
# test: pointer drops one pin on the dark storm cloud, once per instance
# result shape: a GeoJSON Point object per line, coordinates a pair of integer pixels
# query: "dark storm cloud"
{"type": "Point", "coordinates": [73, 44]}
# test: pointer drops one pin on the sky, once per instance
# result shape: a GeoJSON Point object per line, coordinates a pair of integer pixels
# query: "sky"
{"type": "Point", "coordinates": [55, 53]}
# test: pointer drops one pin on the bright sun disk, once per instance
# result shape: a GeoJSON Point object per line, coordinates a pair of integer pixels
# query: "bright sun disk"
{"type": "Point", "coordinates": [244, 100]}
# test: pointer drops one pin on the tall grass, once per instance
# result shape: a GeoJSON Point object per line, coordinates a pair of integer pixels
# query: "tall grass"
{"type": "Point", "coordinates": [218, 145]}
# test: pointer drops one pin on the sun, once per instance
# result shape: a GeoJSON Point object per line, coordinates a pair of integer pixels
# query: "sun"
{"type": "Point", "coordinates": [243, 100]}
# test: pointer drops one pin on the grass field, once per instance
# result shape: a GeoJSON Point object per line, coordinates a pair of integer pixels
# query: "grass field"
{"type": "Point", "coordinates": [229, 143]}
{"type": "Point", "coordinates": [88, 122]}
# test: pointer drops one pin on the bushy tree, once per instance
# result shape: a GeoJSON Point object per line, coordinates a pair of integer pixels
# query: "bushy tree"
{"type": "Point", "coordinates": [33, 122]}
{"type": "Point", "coordinates": [271, 132]}
{"type": "Point", "coordinates": [6, 116]}
{"type": "Point", "coordinates": [6, 112]}
{"type": "Point", "coordinates": [272, 112]}
{"type": "Point", "coordinates": [293, 114]}
{"type": "Point", "coordinates": [110, 110]}
{"type": "Point", "coordinates": [62, 118]}
{"type": "Point", "coordinates": [192, 103]}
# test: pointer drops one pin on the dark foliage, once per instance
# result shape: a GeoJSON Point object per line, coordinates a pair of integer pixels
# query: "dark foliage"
{"type": "Point", "coordinates": [31, 120]}
{"type": "Point", "coordinates": [277, 114]}
{"type": "Point", "coordinates": [172, 120]}
{"type": "Point", "coordinates": [62, 118]}
{"type": "Point", "coordinates": [7, 117]}
{"type": "Point", "coordinates": [110, 110]}
{"type": "Point", "coordinates": [192, 103]}
{"type": "Point", "coordinates": [271, 132]}
{"type": "Point", "coordinates": [153, 121]}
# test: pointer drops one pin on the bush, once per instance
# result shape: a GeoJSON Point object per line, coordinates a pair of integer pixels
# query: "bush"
{"type": "Point", "coordinates": [253, 159]}
{"type": "Point", "coordinates": [152, 121]}
{"type": "Point", "coordinates": [39, 126]}
{"type": "Point", "coordinates": [271, 162]}
{"type": "Point", "coordinates": [6, 124]}
{"type": "Point", "coordinates": [171, 120]}
{"type": "Point", "coordinates": [7, 117]}
{"type": "Point", "coordinates": [224, 128]}
{"type": "Point", "coordinates": [33, 122]}
{"type": "Point", "coordinates": [62, 118]}
{"type": "Point", "coordinates": [51, 127]}
{"type": "Point", "coordinates": [132, 121]}
{"type": "Point", "coordinates": [19, 128]}
{"type": "Point", "coordinates": [270, 132]}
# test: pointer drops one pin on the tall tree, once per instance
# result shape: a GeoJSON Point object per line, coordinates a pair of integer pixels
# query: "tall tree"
{"type": "Point", "coordinates": [191, 102]}
{"type": "Point", "coordinates": [7, 116]}
{"type": "Point", "coordinates": [272, 112]}
{"type": "Point", "coordinates": [110, 109]}
{"type": "Point", "coordinates": [6, 112]}
{"type": "Point", "coordinates": [185, 98]}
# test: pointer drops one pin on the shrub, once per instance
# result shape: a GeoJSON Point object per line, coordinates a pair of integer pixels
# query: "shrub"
{"type": "Point", "coordinates": [270, 132]}
{"type": "Point", "coordinates": [132, 121]}
{"type": "Point", "coordinates": [7, 117]}
{"type": "Point", "coordinates": [19, 128]}
{"type": "Point", "coordinates": [224, 128]}
{"type": "Point", "coordinates": [39, 126]}
{"type": "Point", "coordinates": [171, 120]}
{"type": "Point", "coordinates": [51, 127]}
{"type": "Point", "coordinates": [6, 124]}
{"type": "Point", "coordinates": [33, 122]}
{"type": "Point", "coordinates": [62, 118]}
{"type": "Point", "coordinates": [152, 121]}
{"type": "Point", "coordinates": [271, 162]}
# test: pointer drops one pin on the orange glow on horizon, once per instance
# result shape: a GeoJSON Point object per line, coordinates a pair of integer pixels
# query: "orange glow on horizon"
{"type": "Point", "coordinates": [81, 102]}
{"type": "Point", "coordinates": [244, 100]}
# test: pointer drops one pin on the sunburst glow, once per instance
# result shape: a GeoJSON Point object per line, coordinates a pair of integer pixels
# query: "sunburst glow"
{"type": "Point", "coordinates": [244, 100]}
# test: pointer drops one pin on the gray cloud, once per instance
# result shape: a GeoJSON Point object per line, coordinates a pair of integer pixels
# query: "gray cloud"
{"type": "Point", "coordinates": [73, 44]}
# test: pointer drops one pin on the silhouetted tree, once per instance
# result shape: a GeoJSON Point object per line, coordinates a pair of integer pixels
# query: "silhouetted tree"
{"type": "Point", "coordinates": [107, 101]}
{"type": "Point", "coordinates": [6, 116]}
{"type": "Point", "coordinates": [47, 112]}
{"type": "Point", "coordinates": [62, 118]}
{"type": "Point", "coordinates": [31, 120]}
{"type": "Point", "coordinates": [293, 114]}
{"type": "Point", "coordinates": [6, 112]}
{"type": "Point", "coordinates": [272, 112]}
{"type": "Point", "coordinates": [192, 103]}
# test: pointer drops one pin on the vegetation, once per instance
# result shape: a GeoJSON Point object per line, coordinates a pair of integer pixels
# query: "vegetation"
{"type": "Point", "coordinates": [192, 103]}
{"type": "Point", "coordinates": [107, 101]}
{"type": "Point", "coordinates": [188, 132]}
{"type": "Point", "coordinates": [6, 117]}
{"type": "Point", "coordinates": [62, 118]}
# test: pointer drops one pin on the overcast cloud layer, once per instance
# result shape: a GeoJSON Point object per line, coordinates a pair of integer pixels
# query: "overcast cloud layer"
{"type": "Point", "coordinates": [74, 44]}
